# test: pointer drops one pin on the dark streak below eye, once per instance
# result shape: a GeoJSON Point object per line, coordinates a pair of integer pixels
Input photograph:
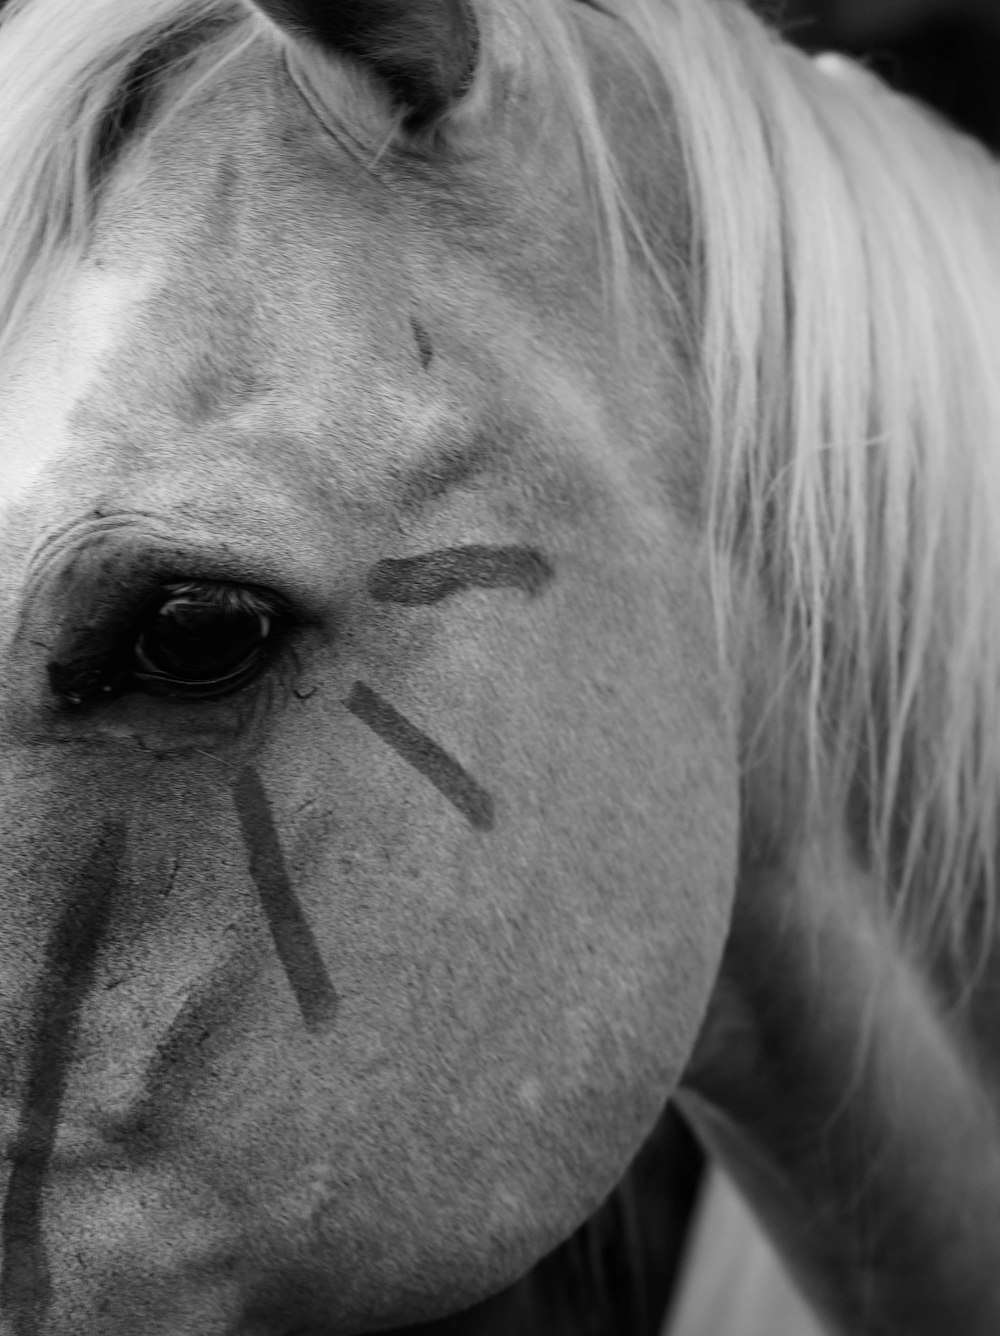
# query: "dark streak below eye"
{"type": "Point", "coordinates": [70, 955]}
{"type": "Point", "coordinates": [434, 576]}
{"type": "Point", "coordinates": [424, 755]}
{"type": "Point", "coordinates": [294, 942]}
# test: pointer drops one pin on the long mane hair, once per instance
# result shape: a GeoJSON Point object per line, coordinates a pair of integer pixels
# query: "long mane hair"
{"type": "Point", "coordinates": [847, 317]}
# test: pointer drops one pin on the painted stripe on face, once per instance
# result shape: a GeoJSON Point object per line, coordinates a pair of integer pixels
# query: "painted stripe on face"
{"type": "Point", "coordinates": [434, 576]}
{"type": "Point", "coordinates": [67, 974]}
{"type": "Point", "coordinates": [424, 755]}
{"type": "Point", "coordinates": [293, 937]}
{"type": "Point", "coordinates": [423, 341]}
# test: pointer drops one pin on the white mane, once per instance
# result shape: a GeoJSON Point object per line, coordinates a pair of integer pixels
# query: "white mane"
{"type": "Point", "coordinates": [851, 353]}
{"type": "Point", "coordinates": [849, 324]}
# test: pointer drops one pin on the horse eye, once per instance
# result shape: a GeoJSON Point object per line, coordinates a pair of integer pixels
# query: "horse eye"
{"type": "Point", "coordinates": [205, 639]}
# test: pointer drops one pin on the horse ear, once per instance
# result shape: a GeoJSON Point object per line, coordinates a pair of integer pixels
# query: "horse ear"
{"type": "Point", "coordinates": [423, 51]}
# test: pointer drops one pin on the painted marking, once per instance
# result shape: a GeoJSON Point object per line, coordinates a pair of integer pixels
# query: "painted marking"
{"type": "Point", "coordinates": [424, 346]}
{"type": "Point", "coordinates": [293, 937]}
{"type": "Point", "coordinates": [67, 974]}
{"type": "Point", "coordinates": [434, 576]}
{"type": "Point", "coordinates": [424, 755]}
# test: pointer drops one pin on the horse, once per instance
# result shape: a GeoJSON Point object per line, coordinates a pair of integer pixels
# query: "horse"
{"type": "Point", "coordinates": [496, 635]}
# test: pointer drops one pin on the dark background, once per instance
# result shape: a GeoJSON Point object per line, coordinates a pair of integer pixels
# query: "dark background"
{"type": "Point", "coordinates": [944, 51]}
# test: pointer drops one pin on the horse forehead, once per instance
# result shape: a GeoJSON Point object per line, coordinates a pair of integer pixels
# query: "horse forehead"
{"type": "Point", "coordinates": [290, 295]}
{"type": "Point", "coordinates": [58, 360]}
{"type": "Point", "coordinates": [258, 295]}
{"type": "Point", "coordinates": [286, 234]}
{"type": "Point", "coordinates": [170, 348]}
{"type": "Point", "coordinates": [250, 274]}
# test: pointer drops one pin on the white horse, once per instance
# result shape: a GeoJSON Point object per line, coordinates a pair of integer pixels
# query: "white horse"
{"type": "Point", "coordinates": [498, 553]}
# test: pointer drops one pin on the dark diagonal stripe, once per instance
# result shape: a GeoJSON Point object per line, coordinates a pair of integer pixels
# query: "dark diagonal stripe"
{"type": "Point", "coordinates": [424, 755]}
{"type": "Point", "coordinates": [67, 973]}
{"type": "Point", "coordinates": [434, 576]}
{"type": "Point", "coordinates": [293, 937]}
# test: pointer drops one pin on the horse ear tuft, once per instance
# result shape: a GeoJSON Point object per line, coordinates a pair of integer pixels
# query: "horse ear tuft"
{"type": "Point", "coordinates": [423, 51]}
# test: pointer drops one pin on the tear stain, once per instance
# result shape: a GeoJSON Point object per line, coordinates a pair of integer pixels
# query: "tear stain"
{"type": "Point", "coordinates": [66, 978]}
{"type": "Point", "coordinates": [293, 937]}
{"type": "Point", "coordinates": [424, 754]}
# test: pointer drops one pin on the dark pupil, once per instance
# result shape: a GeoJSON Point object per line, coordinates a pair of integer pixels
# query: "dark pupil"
{"type": "Point", "coordinates": [203, 636]}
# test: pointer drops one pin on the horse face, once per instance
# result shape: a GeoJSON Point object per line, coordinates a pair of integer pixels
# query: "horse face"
{"type": "Point", "coordinates": [338, 991]}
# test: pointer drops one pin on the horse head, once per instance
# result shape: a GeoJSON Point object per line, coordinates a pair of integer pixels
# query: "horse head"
{"type": "Point", "coordinates": [367, 765]}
